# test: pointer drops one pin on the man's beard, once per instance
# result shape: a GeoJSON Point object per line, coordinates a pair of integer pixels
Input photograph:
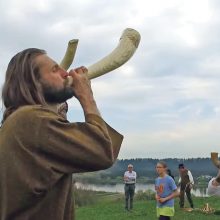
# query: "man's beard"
{"type": "Point", "coordinates": [54, 95]}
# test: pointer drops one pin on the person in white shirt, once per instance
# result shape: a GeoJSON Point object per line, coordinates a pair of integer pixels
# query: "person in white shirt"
{"type": "Point", "coordinates": [186, 183]}
{"type": "Point", "coordinates": [129, 181]}
{"type": "Point", "coordinates": [214, 186]}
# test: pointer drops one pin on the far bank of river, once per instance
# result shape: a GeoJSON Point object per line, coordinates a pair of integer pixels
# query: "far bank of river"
{"type": "Point", "coordinates": [200, 192]}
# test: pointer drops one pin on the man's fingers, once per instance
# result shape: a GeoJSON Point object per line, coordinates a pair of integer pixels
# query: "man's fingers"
{"type": "Point", "coordinates": [81, 69]}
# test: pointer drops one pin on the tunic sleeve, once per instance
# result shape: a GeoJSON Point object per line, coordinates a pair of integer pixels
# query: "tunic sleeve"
{"type": "Point", "coordinates": [77, 147]}
{"type": "Point", "coordinates": [62, 147]}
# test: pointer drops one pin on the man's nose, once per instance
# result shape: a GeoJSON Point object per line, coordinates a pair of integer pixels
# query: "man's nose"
{"type": "Point", "coordinates": [63, 73]}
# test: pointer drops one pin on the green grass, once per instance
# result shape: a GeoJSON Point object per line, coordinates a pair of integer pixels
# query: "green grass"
{"type": "Point", "coordinates": [110, 206]}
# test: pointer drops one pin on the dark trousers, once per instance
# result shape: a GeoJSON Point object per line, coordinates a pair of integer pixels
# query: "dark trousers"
{"type": "Point", "coordinates": [187, 190]}
{"type": "Point", "coordinates": [162, 217]}
{"type": "Point", "coordinates": [129, 195]}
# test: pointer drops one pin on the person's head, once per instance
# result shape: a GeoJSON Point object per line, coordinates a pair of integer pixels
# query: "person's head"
{"type": "Point", "coordinates": [130, 167]}
{"type": "Point", "coordinates": [181, 167]}
{"type": "Point", "coordinates": [34, 78]}
{"type": "Point", "coordinates": [161, 168]}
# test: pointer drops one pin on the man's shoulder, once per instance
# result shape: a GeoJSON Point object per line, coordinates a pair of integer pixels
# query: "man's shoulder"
{"type": "Point", "coordinates": [170, 179]}
{"type": "Point", "coordinates": [29, 113]}
{"type": "Point", "coordinates": [31, 110]}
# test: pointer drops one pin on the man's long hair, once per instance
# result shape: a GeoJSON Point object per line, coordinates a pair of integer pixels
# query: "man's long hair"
{"type": "Point", "coordinates": [22, 85]}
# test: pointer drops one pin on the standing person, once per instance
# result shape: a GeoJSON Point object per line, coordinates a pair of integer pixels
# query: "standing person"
{"type": "Point", "coordinates": [166, 191]}
{"type": "Point", "coordinates": [214, 186]}
{"type": "Point", "coordinates": [129, 180]}
{"type": "Point", "coordinates": [186, 184]}
{"type": "Point", "coordinates": [214, 183]}
{"type": "Point", "coordinates": [39, 148]}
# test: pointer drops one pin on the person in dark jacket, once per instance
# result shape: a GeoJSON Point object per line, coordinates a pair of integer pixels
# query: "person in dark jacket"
{"type": "Point", "coordinates": [186, 184]}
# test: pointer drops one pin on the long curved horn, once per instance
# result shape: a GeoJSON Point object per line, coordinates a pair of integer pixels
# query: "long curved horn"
{"type": "Point", "coordinates": [69, 55]}
{"type": "Point", "coordinates": [215, 160]}
{"type": "Point", "coordinates": [127, 46]}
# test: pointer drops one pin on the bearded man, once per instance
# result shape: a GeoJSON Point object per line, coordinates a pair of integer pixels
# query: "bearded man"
{"type": "Point", "coordinates": [39, 148]}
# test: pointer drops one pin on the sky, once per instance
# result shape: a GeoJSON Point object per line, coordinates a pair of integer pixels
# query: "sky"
{"type": "Point", "coordinates": [166, 99]}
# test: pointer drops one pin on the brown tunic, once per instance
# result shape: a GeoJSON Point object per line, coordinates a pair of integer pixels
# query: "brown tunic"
{"type": "Point", "coordinates": [39, 152]}
{"type": "Point", "coordinates": [184, 179]}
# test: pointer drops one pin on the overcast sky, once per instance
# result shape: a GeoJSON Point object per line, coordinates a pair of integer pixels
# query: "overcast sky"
{"type": "Point", "coordinates": [166, 99]}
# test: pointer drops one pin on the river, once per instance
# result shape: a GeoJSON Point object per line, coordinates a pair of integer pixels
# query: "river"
{"type": "Point", "coordinates": [200, 192]}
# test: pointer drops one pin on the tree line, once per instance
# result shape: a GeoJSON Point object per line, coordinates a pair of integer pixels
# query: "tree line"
{"type": "Point", "coordinates": [145, 168]}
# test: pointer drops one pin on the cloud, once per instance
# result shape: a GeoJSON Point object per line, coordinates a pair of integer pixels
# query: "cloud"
{"type": "Point", "coordinates": [165, 99]}
{"type": "Point", "coordinates": [184, 140]}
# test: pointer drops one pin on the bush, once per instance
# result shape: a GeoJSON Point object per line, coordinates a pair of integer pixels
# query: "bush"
{"type": "Point", "coordinates": [145, 195]}
{"type": "Point", "coordinates": [84, 197]}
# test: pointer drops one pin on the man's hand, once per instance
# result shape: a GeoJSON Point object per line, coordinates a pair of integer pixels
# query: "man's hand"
{"type": "Point", "coordinates": [162, 200]}
{"type": "Point", "coordinates": [217, 179]}
{"type": "Point", "coordinates": [83, 91]}
{"type": "Point", "coordinates": [126, 178]}
{"type": "Point", "coordinates": [81, 83]}
{"type": "Point", "coordinates": [215, 183]}
{"type": "Point", "coordinates": [190, 186]}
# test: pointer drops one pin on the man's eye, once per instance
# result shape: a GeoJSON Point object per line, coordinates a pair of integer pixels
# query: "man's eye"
{"type": "Point", "coordinates": [55, 68]}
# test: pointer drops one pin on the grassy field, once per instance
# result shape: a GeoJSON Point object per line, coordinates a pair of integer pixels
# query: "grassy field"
{"type": "Point", "coordinates": [110, 206]}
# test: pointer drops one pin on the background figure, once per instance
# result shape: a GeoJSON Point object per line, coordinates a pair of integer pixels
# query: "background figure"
{"type": "Point", "coordinates": [166, 191]}
{"type": "Point", "coordinates": [186, 184]}
{"type": "Point", "coordinates": [170, 174]}
{"type": "Point", "coordinates": [214, 185]}
{"type": "Point", "coordinates": [129, 180]}
{"type": "Point", "coordinates": [39, 148]}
